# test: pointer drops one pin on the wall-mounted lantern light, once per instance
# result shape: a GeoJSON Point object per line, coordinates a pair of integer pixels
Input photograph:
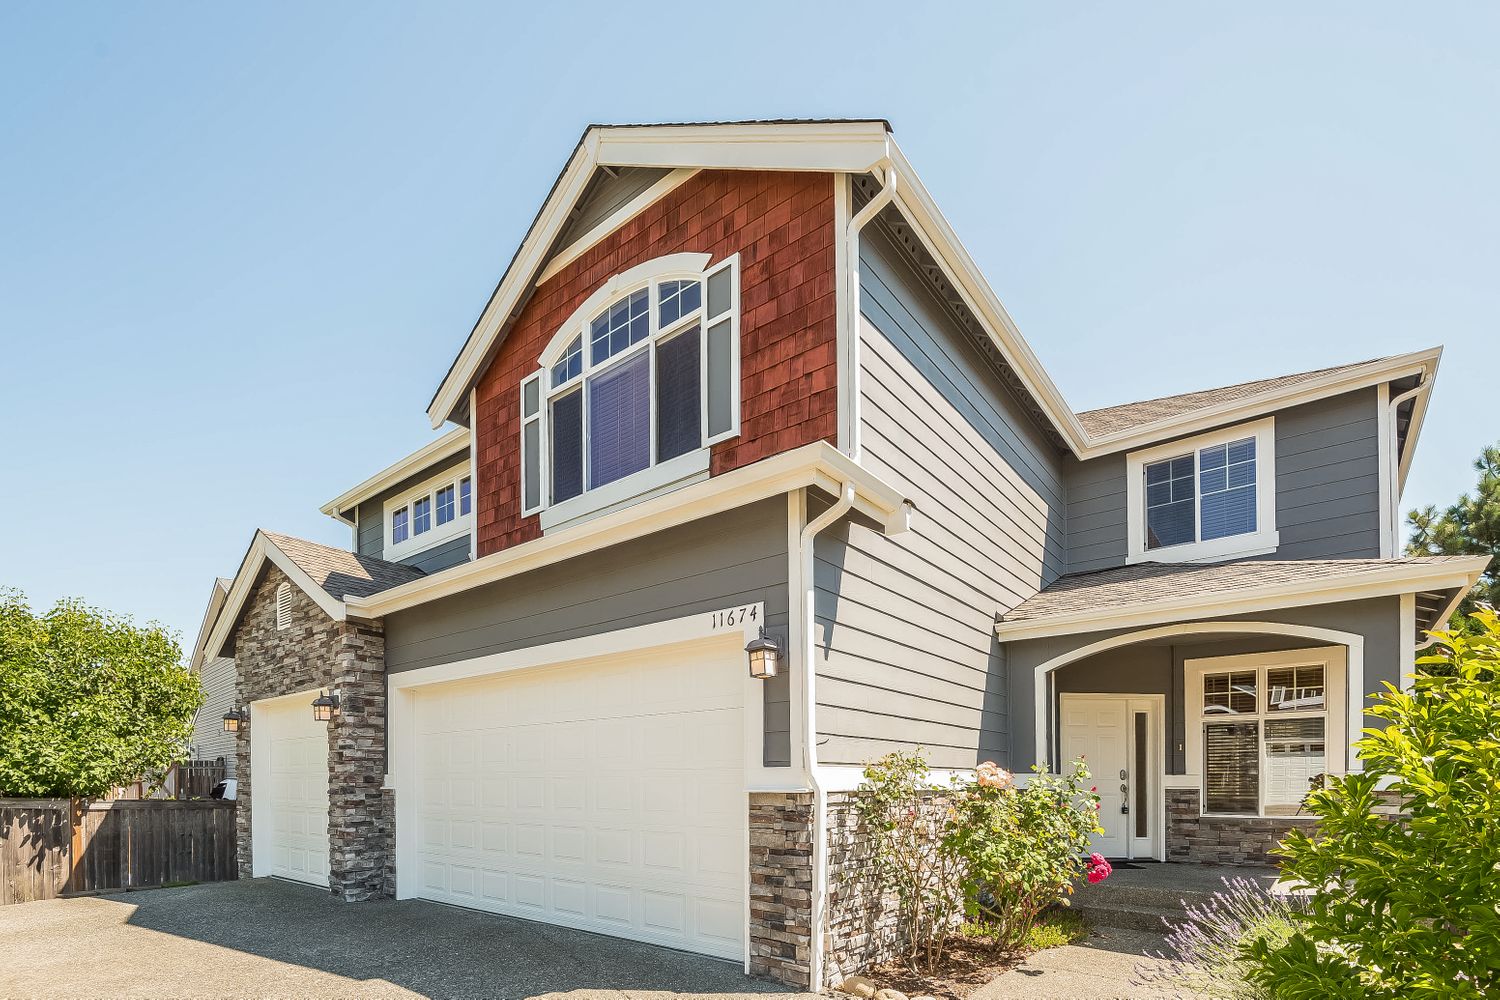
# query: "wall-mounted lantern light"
{"type": "Point", "coordinates": [234, 719]}
{"type": "Point", "coordinates": [764, 654]}
{"type": "Point", "coordinates": [325, 706]}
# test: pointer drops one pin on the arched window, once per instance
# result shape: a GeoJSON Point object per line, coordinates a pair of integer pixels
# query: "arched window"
{"type": "Point", "coordinates": [284, 606]}
{"type": "Point", "coordinates": [635, 386]}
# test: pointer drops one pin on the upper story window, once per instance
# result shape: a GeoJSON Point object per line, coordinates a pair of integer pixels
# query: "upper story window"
{"type": "Point", "coordinates": [633, 388]}
{"type": "Point", "coordinates": [430, 514]}
{"type": "Point", "coordinates": [1205, 498]}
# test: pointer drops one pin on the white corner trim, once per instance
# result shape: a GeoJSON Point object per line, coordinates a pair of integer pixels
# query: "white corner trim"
{"type": "Point", "coordinates": [1353, 642]}
{"type": "Point", "coordinates": [1263, 540]}
{"type": "Point", "coordinates": [663, 187]}
{"type": "Point", "coordinates": [1385, 444]}
{"type": "Point", "coordinates": [1409, 577]}
{"type": "Point", "coordinates": [818, 464]}
{"type": "Point", "coordinates": [843, 320]}
{"type": "Point", "coordinates": [447, 446]}
{"type": "Point", "coordinates": [1407, 642]}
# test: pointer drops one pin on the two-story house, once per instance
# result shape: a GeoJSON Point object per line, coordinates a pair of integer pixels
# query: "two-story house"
{"type": "Point", "coordinates": [741, 387]}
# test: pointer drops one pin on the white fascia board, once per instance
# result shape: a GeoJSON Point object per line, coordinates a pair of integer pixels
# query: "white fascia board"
{"type": "Point", "coordinates": [943, 243]}
{"type": "Point", "coordinates": [1396, 580]}
{"type": "Point", "coordinates": [1414, 429]}
{"type": "Point", "coordinates": [216, 598]}
{"type": "Point", "coordinates": [1423, 363]}
{"type": "Point", "coordinates": [618, 218]}
{"type": "Point", "coordinates": [820, 146]}
{"type": "Point", "coordinates": [263, 550]}
{"type": "Point", "coordinates": [447, 446]}
{"type": "Point", "coordinates": [818, 464]}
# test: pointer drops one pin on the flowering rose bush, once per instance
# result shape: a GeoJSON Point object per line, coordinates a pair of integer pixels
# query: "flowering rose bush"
{"type": "Point", "coordinates": [1023, 846]}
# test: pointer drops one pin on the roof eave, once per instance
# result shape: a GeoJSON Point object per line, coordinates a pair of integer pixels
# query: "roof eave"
{"type": "Point", "coordinates": [1354, 586]}
{"type": "Point", "coordinates": [1422, 363]}
{"type": "Point", "coordinates": [448, 445]}
{"type": "Point", "coordinates": [262, 550]}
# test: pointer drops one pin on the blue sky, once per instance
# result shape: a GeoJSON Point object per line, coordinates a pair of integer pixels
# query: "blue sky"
{"type": "Point", "coordinates": [240, 244]}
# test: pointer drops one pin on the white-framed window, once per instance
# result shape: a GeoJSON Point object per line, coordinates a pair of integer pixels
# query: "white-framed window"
{"type": "Point", "coordinates": [633, 389]}
{"type": "Point", "coordinates": [1204, 498]}
{"type": "Point", "coordinates": [283, 606]}
{"type": "Point", "coordinates": [434, 512]}
{"type": "Point", "coordinates": [1262, 726]}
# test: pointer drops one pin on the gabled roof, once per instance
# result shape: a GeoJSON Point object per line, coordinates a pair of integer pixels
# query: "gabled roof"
{"type": "Point", "coordinates": [1151, 593]}
{"type": "Point", "coordinates": [1132, 425]}
{"type": "Point", "coordinates": [326, 574]}
{"type": "Point", "coordinates": [450, 444]}
{"type": "Point", "coordinates": [216, 595]}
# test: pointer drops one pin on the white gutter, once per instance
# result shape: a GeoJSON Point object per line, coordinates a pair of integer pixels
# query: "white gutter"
{"type": "Point", "coordinates": [810, 727]}
{"type": "Point", "coordinates": [880, 200]}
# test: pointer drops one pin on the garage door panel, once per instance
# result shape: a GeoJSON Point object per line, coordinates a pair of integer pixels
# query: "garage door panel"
{"type": "Point", "coordinates": [291, 801]}
{"type": "Point", "coordinates": [608, 796]}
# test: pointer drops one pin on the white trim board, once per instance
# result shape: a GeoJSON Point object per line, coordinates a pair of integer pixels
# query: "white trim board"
{"type": "Point", "coordinates": [818, 464]}
{"type": "Point", "coordinates": [1400, 579]}
{"type": "Point", "coordinates": [445, 447]}
{"type": "Point", "coordinates": [656, 192]}
{"type": "Point", "coordinates": [261, 551]}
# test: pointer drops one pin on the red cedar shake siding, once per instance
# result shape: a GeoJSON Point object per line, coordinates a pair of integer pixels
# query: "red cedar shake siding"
{"type": "Point", "coordinates": [781, 224]}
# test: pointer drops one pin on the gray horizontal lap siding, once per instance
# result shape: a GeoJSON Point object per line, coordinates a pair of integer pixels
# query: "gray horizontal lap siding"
{"type": "Point", "coordinates": [1327, 489]}
{"type": "Point", "coordinates": [907, 656]}
{"type": "Point", "coordinates": [735, 558]}
{"type": "Point", "coordinates": [209, 740]}
{"type": "Point", "coordinates": [440, 557]}
{"type": "Point", "coordinates": [1159, 669]}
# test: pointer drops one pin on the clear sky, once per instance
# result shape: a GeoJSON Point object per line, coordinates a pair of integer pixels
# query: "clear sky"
{"type": "Point", "coordinates": [240, 244]}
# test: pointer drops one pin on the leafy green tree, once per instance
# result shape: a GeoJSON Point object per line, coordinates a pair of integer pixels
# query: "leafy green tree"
{"type": "Point", "coordinates": [1471, 527]}
{"type": "Point", "coordinates": [88, 700]}
{"type": "Point", "coordinates": [1406, 906]}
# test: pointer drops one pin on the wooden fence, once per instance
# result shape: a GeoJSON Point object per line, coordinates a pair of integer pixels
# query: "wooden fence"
{"type": "Point", "coordinates": [53, 847]}
{"type": "Point", "coordinates": [189, 779]}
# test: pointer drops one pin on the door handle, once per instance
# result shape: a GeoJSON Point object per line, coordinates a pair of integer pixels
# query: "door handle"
{"type": "Point", "coordinates": [1124, 788]}
{"type": "Point", "coordinates": [1122, 774]}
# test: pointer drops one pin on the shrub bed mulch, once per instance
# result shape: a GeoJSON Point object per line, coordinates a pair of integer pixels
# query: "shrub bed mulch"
{"type": "Point", "coordinates": [966, 965]}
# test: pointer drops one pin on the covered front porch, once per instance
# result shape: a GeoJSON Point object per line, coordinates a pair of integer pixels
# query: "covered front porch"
{"type": "Point", "coordinates": [1205, 731]}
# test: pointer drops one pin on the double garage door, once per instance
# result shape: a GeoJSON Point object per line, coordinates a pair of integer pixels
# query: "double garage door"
{"type": "Point", "coordinates": [607, 796]}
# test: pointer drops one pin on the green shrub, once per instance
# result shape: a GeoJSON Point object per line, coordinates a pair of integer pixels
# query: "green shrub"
{"type": "Point", "coordinates": [1410, 907]}
{"type": "Point", "coordinates": [1023, 846]}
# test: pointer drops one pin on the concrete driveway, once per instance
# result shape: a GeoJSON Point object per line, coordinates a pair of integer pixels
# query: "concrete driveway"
{"type": "Point", "coordinates": [273, 939]}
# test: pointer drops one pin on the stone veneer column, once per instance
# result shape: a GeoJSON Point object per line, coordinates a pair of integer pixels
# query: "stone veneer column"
{"type": "Point", "coordinates": [316, 653]}
{"type": "Point", "coordinates": [781, 834]}
{"type": "Point", "coordinates": [1223, 840]}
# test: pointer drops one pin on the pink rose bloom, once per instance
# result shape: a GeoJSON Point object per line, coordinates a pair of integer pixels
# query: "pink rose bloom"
{"type": "Point", "coordinates": [1097, 875]}
{"type": "Point", "coordinates": [991, 775]}
{"type": "Point", "coordinates": [1096, 859]}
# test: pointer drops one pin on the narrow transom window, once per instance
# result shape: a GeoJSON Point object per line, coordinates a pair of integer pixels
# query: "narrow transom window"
{"type": "Point", "coordinates": [400, 525]}
{"type": "Point", "coordinates": [445, 497]}
{"type": "Point", "coordinates": [645, 373]}
{"type": "Point", "coordinates": [432, 513]}
{"type": "Point", "coordinates": [284, 606]}
{"type": "Point", "coordinates": [421, 515]}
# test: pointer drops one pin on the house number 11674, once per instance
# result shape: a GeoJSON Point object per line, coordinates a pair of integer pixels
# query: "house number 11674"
{"type": "Point", "coordinates": [730, 617]}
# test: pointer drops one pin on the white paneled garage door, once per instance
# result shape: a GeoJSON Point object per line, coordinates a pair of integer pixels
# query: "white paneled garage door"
{"type": "Point", "coordinates": [289, 791]}
{"type": "Point", "coordinates": [608, 797]}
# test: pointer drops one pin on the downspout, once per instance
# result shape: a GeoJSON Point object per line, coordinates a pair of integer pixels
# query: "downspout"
{"type": "Point", "coordinates": [880, 200]}
{"type": "Point", "coordinates": [810, 730]}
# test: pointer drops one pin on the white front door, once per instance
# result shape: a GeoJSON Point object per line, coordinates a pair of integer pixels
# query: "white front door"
{"type": "Point", "coordinates": [289, 804]}
{"type": "Point", "coordinates": [1117, 737]}
{"type": "Point", "coordinates": [608, 795]}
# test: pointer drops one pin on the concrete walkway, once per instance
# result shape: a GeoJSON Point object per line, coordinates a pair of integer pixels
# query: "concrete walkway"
{"type": "Point", "coordinates": [273, 939]}
{"type": "Point", "coordinates": [1099, 967]}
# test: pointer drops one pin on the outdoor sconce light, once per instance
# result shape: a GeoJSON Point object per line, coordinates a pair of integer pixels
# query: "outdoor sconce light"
{"type": "Point", "coordinates": [234, 718]}
{"type": "Point", "coordinates": [763, 653]}
{"type": "Point", "coordinates": [325, 706]}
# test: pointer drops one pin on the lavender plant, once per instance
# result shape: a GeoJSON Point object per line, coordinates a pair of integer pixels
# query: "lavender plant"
{"type": "Point", "coordinates": [1205, 952]}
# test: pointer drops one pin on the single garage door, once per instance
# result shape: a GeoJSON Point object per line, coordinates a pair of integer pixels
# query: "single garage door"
{"type": "Point", "coordinates": [289, 798]}
{"type": "Point", "coordinates": [607, 796]}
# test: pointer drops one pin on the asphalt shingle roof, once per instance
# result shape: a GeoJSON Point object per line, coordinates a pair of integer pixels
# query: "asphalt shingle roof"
{"type": "Point", "coordinates": [1113, 419]}
{"type": "Point", "coordinates": [1146, 583]}
{"type": "Point", "coordinates": [342, 573]}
